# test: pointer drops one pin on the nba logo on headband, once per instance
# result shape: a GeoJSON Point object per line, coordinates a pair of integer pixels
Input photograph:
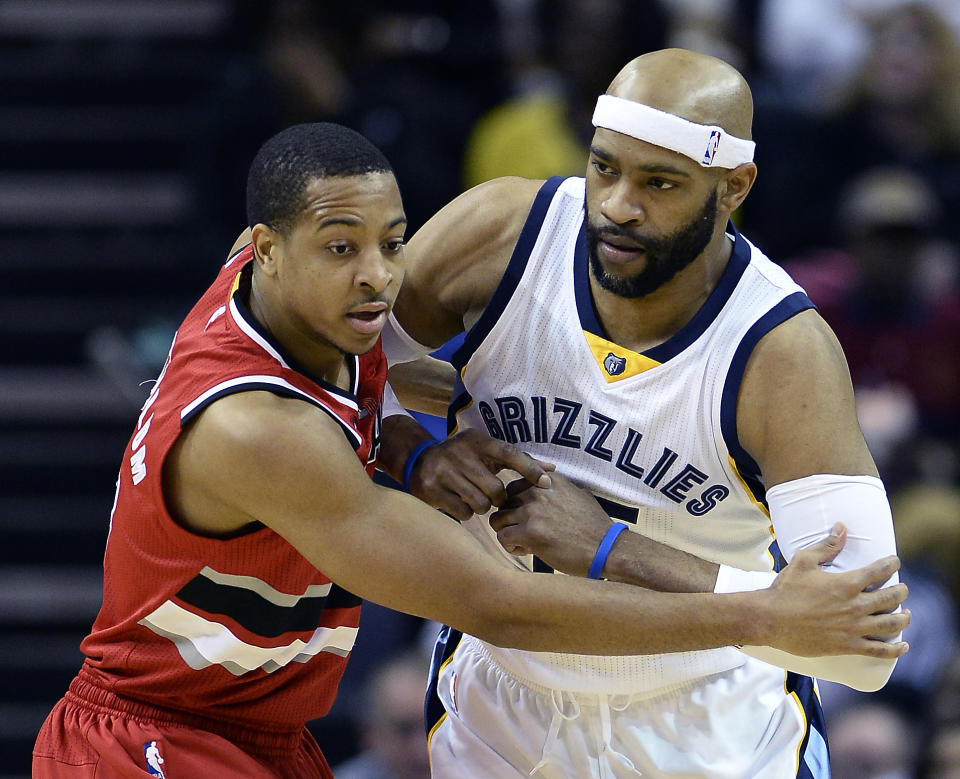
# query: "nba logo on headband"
{"type": "Point", "coordinates": [713, 143]}
{"type": "Point", "coordinates": [699, 142]}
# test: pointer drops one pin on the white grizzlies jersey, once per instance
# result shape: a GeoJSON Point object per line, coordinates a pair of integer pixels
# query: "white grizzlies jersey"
{"type": "Point", "coordinates": [653, 435]}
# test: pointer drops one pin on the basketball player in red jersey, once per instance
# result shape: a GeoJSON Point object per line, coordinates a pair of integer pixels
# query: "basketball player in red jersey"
{"type": "Point", "coordinates": [246, 527]}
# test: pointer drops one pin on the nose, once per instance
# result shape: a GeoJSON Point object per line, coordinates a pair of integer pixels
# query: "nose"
{"type": "Point", "coordinates": [622, 204]}
{"type": "Point", "coordinates": [375, 271]}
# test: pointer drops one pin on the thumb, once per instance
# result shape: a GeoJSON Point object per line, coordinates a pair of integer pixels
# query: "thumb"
{"type": "Point", "coordinates": [828, 547]}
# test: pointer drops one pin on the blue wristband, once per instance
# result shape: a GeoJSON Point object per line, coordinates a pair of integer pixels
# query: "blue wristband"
{"type": "Point", "coordinates": [603, 551]}
{"type": "Point", "coordinates": [412, 460]}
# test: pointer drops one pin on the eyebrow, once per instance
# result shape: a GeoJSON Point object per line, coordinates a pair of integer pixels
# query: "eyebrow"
{"type": "Point", "coordinates": [352, 221]}
{"type": "Point", "coordinates": [651, 168]}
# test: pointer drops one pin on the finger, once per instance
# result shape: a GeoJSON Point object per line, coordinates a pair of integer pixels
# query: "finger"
{"type": "Point", "coordinates": [478, 485]}
{"type": "Point", "coordinates": [503, 518]}
{"type": "Point", "coordinates": [880, 649]}
{"type": "Point", "coordinates": [452, 504]}
{"type": "Point", "coordinates": [827, 548]}
{"type": "Point", "coordinates": [508, 456]}
{"type": "Point", "coordinates": [517, 486]}
{"type": "Point", "coordinates": [877, 572]}
{"type": "Point", "coordinates": [886, 599]}
{"type": "Point", "coordinates": [886, 626]}
{"type": "Point", "coordinates": [474, 485]}
{"type": "Point", "coordinates": [510, 538]}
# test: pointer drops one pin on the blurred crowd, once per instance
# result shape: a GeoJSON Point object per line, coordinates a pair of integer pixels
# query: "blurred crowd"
{"type": "Point", "coordinates": [858, 146]}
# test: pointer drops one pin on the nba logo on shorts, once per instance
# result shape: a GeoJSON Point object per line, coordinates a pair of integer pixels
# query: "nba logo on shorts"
{"type": "Point", "coordinates": [151, 753]}
{"type": "Point", "coordinates": [614, 365]}
{"type": "Point", "coordinates": [711, 151]}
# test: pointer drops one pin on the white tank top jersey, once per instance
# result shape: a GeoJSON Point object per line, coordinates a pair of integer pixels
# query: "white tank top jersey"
{"type": "Point", "coordinates": [653, 435]}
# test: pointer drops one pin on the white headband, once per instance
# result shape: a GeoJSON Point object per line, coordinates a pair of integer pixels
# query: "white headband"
{"type": "Point", "coordinates": [709, 145]}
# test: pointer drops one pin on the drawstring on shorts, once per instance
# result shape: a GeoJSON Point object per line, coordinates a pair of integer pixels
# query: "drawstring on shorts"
{"type": "Point", "coordinates": [607, 752]}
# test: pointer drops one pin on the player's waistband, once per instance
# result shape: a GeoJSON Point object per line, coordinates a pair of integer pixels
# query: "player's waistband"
{"type": "Point", "coordinates": [86, 694]}
{"type": "Point", "coordinates": [644, 675]}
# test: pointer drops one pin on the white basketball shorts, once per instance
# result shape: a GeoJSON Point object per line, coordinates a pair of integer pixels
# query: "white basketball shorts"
{"type": "Point", "coordinates": [752, 722]}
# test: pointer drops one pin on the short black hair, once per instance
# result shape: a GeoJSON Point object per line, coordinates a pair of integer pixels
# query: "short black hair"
{"type": "Point", "coordinates": [292, 158]}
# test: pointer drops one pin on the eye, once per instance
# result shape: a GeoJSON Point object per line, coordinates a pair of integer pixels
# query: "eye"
{"type": "Point", "coordinates": [602, 168]}
{"type": "Point", "coordinates": [663, 184]}
{"type": "Point", "coordinates": [340, 249]}
{"type": "Point", "coordinates": [395, 245]}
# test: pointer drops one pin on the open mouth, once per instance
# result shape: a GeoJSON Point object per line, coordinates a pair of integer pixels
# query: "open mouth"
{"type": "Point", "coordinates": [368, 320]}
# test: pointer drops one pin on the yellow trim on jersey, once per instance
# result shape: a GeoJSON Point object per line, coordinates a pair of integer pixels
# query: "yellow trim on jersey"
{"type": "Point", "coordinates": [235, 286]}
{"type": "Point", "coordinates": [626, 362]}
{"type": "Point", "coordinates": [443, 716]}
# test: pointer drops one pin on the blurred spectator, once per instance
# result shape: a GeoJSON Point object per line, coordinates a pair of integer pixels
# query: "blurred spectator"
{"type": "Point", "coordinates": [430, 70]}
{"type": "Point", "coordinates": [714, 27]}
{"type": "Point", "coordinates": [904, 105]}
{"type": "Point", "coordinates": [890, 294]}
{"type": "Point", "coordinates": [941, 753]}
{"type": "Point", "coordinates": [545, 131]}
{"type": "Point", "coordinates": [901, 107]}
{"type": "Point", "coordinates": [926, 518]}
{"type": "Point", "coordinates": [873, 740]}
{"type": "Point", "coordinates": [411, 75]}
{"type": "Point", "coordinates": [942, 757]}
{"type": "Point", "coordinates": [390, 722]}
{"type": "Point", "coordinates": [809, 48]}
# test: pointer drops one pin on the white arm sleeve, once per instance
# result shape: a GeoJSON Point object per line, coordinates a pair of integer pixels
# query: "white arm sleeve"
{"type": "Point", "coordinates": [391, 404]}
{"type": "Point", "coordinates": [400, 346]}
{"type": "Point", "coordinates": [803, 511]}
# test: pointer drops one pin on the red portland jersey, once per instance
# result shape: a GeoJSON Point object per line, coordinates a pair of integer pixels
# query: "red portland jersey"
{"type": "Point", "coordinates": [244, 630]}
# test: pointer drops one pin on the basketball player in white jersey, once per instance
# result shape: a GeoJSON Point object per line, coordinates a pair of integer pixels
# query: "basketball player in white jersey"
{"type": "Point", "coordinates": [620, 327]}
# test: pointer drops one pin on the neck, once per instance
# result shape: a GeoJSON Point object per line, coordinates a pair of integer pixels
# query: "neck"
{"type": "Point", "coordinates": [642, 323]}
{"type": "Point", "coordinates": [324, 361]}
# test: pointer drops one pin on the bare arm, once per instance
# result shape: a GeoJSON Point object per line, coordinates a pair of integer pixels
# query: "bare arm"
{"type": "Point", "coordinates": [796, 414]}
{"type": "Point", "coordinates": [257, 457]}
{"type": "Point", "coordinates": [455, 261]}
{"type": "Point", "coordinates": [797, 418]}
{"type": "Point", "coordinates": [424, 385]}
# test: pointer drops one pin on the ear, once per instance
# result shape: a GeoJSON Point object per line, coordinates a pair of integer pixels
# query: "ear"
{"type": "Point", "coordinates": [267, 248]}
{"type": "Point", "coordinates": [735, 186]}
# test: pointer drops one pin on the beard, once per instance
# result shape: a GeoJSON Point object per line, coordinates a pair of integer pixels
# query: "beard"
{"type": "Point", "coordinates": [666, 255]}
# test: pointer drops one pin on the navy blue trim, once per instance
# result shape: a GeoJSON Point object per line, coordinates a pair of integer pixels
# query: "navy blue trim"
{"type": "Point", "coordinates": [447, 642]}
{"type": "Point", "coordinates": [589, 320]}
{"type": "Point", "coordinates": [511, 276]}
{"type": "Point", "coordinates": [746, 465]}
{"type": "Point", "coordinates": [710, 310]}
{"type": "Point", "coordinates": [240, 298]}
{"type": "Point", "coordinates": [690, 332]}
{"type": "Point", "coordinates": [803, 687]}
{"type": "Point", "coordinates": [459, 400]}
{"type": "Point", "coordinates": [349, 432]}
{"type": "Point", "coordinates": [258, 615]}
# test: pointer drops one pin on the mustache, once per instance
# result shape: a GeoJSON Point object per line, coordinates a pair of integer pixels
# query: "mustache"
{"type": "Point", "coordinates": [602, 232]}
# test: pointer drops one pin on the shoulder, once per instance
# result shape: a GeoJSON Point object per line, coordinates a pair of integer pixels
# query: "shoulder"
{"type": "Point", "coordinates": [455, 261]}
{"type": "Point", "coordinates": [258, 426]}
{"type": "Point", "coordinates": [803, 341]}
{"type": "Point", "coordinates": [244, 453]}
{"type": "Point", "coordinates": [492, 207]}
{"type": "Point", "coordinates": [796, 413]}
{"type": "Point", "coordinates": [799, 358]}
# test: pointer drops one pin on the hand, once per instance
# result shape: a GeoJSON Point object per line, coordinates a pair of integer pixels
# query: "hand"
{"type": "Point", "coordinates": [459, 475]}
{"type": "Point", "coordinates": [562, 524]}
{"type": "Point", "coordinates": [820, 613]}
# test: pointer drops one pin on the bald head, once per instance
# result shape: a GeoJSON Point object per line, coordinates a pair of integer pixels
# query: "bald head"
{"type": "Point", "coordinates": [694, 86]}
